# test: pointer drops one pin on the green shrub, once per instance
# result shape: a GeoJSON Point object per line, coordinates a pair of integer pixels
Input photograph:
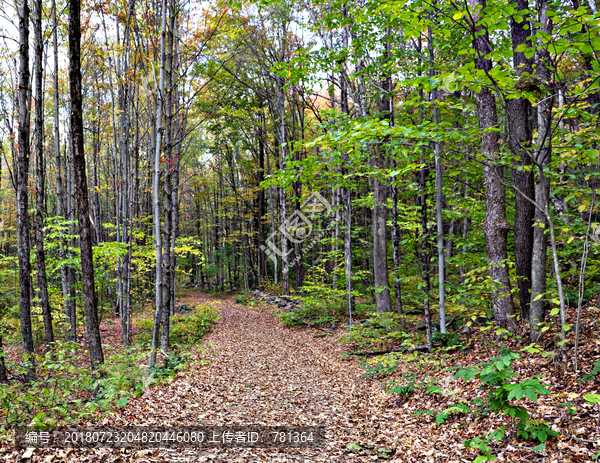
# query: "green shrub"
{"type": "Point", "coordinates": [173, 362]}
{"type": "Point", "coordinates": [125, 376]}
{"type": "Point", "coordinates": [241, 299]}
{"type": "Point", "coordinates": [379, 330]}
{"type": "Point", "coordinates": [144, 335]}
{"type": "Point", "coordinates": [447, 339]}
{"type": "Point", "coordinates": [63, 391]}
{"type": "Point", "coordinates": [190, 328]}
{"type": "Point", "coordinates": [186, 329]}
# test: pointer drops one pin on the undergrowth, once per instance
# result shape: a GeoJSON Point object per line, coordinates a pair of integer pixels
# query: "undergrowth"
{"type": "Point", "coordinates": [64, 390]}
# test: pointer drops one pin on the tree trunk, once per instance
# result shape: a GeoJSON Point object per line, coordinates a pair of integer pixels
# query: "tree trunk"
{"type": "Point", "coordinates": [519, 140]}
{"type": "Point", "coordinates": [383, 299]}
{"type": "Point", "coordinates": [3, 373]}
{"type": "Point", "coordinates": [542, 190]}
{"type": "Point", "coordinates": [23, 225]}
{"type": "Point", "coordinates": [60, 192]}
{"type": "Point", "coordinates": [168, 184]}
{"type": "Point", "coordinates": [438, 198]}
{"type": "Point", "coordinates": [425, 250]}
{"type": "Point", "coordinates": [40, 198]}
{"type": "Point", "coordinates": [155, 190]}
{"type": "Point", "coordinates": [496, 226]}
{"type": "Point", "coordinates": [396, 252]}
{"type": "Point", "coordinates": [285, 277]}
{"type": "Point", "coordinates": [83, 214]}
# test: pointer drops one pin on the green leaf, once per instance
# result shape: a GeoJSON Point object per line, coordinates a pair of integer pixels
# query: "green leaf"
{"type": "Point", "coordinates": [353, 447]}
{"type": "Point", "coordinates": [592, 398]}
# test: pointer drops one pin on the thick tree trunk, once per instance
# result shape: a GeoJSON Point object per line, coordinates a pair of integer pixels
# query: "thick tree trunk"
{"type": "Point", "coordinates": [83, 213]}
{"type": "Point", "coordinates": [40, 197]}
{"type": "Point", "coordinates": [23, 225]}
{"type": "Point", "coordinates": [519, 139]}
{"type": "Point", "coordinates": [383, 299]}
{"type": "Point", "coordinates": [496, 226]}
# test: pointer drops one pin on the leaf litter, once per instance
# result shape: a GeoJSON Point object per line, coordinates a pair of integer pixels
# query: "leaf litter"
{"type": "Point", "coordinates": [260, 372]}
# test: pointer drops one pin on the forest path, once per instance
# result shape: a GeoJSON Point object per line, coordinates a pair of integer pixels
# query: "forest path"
{"type": "Point", "coordinates": [263, 373]}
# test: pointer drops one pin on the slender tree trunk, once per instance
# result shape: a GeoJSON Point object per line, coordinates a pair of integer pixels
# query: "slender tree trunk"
{"type": "Point", "coordinates": [83, 214]}
{"type": "Point", "coordinates": [383, 299]}
{"type": "Point", "coordinates": [396, 251]}
{"type": "Point", "coordinates": [3, 373]}
{"type": "Point", "coordinates": [425, 250]}
{"type": "Point", "coordinates": [168, 185]}
{"type": "Point", "coordinates": [60, 193]}
{"type": "Point", "coordinates": [285, 277]}
{"type": "Point", "coordinates": [438, 198]}
{"type": "Point", "coordinates": [496, 226]}
{"type": "Point", "coordinates": [177, 136]}
{"type": "Point", "coordinates": [542, 190]}
{"type": "Point", "coordinates": [23, 225]}
{"type": "Point", "coordinates": [155, 190]}
{"type": "Point", "coordinates": [346, 192]}
{"type": "Point", "coordinates": [262, 209]}
{"type": "Point", "coordinates": [40, 197]}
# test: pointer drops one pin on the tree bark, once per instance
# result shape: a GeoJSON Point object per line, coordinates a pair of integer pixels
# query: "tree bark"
{"type": "Point", "coordinates": [496, 226]}
{"type": "Point", "coordinates": [519, 139]}
{"type": "Point", "coordinates": [542, 190]}
{"type": "Point", "coordinates": [396, 252]}
{"type": "Point", "coordinates": [40, 198]}
{"type": "Point", "coordinates": [155, 190]}
{"type": "Point", "coordinates": [3, 372]}
{"type": "Point", "coordinates": [81, 187]}
{"type": "Point", "coordinates": [285, 277]}
{"type": "Point", "coordinates": [23, 226]}
{"type": "Point", "coordinates": [168, 185]}
{"type": "Point", "coordinates": [383, 299]}
{"type": "Point", "coordinates": [438, 197]}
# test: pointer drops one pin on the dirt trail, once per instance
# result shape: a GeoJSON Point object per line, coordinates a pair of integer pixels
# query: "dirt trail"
{"type": "Point", "coordinates": [263, 373]}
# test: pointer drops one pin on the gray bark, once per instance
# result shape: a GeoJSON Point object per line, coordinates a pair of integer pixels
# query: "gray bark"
{"type": "Point", "coordinates": [168, 186]}
{"type": "Point", "coordinates": [542, 190]}
{"type": "Point", "coordinates": [40, 187]}
{"type": "Point", "coordinates": [23, 225]}
{"type": "Point", "coordinates": [383, 299]}
{"type": "Point", "coordinates": [496, 226]}
{"type": "Point", "coordinates": [438, 198]}
{"type": "Point", "coordinates": [285, 277]}
{"type": "Point", "coordinates": [155, 190]}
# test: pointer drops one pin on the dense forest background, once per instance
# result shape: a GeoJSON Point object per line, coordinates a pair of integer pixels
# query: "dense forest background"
{"type": "Point", "coordinates": [426, 161]}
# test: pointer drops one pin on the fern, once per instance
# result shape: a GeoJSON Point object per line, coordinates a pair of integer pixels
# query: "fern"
{"type": "Point", "coordinates": [455, 408]}
{"type": "Point", "coordinates": [592, 373]}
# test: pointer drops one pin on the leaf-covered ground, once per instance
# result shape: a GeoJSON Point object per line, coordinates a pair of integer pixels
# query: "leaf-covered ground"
{"type": "Point", "coordinates": [263, 373]}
